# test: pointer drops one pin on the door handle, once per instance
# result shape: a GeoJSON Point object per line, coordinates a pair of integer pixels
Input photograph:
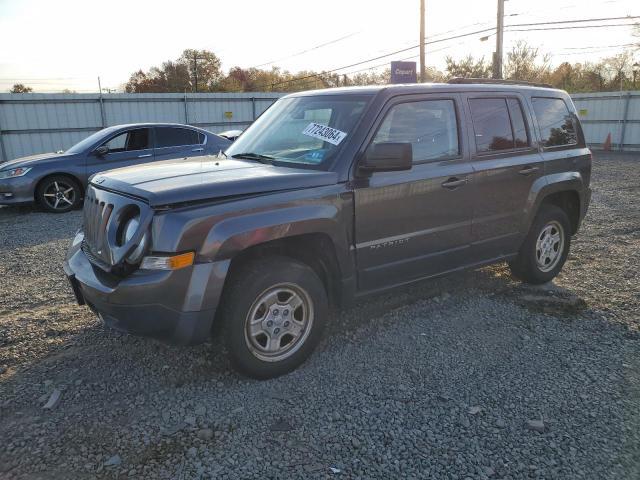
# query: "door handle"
{"type": "Point", "coordinates": [528, 170]}
{"type": "Point", "coordinates": [198, 150]}
{"type": "Point", "coordinates": [454, 182]}
{"type": "Point", "coordinates": [144, 156]}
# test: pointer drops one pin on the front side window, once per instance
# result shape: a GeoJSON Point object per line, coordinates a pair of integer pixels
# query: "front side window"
{"type": "Point", "coordinates": [430, 126]}
{"type": "Point", "coordinates": [175, 137]}
{"type": "Point", "coordinates": [557, 127]}
{"type": "Point", "coordinates": [137, 139]}
{"type": "Point", "coordinates": [307, 130]}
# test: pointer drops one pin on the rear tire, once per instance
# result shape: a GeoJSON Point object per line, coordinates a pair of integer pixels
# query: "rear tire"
{"type": "Point", "coordinates": [545, 248]}
{"type": "Point", "coordinates": [273, 314]}
{"type": "Point", "coordinates": [58, 194]}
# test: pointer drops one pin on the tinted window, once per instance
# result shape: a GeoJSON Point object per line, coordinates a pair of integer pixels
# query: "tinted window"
{"type": "Point", "coordinates": [517, 122]}
{"type": "Point", "coordinates": [175, 137]}
{"type": "Point", "coordinates": [430, 126]}
{"type": "Point", "coordinates": [132, 140]}
{"type": "Point", "coordinates": [491, 124]}
{"type": "Point", "coordinates": [200, 137]}
{"type": "Point", "coordinates": [555, 122]}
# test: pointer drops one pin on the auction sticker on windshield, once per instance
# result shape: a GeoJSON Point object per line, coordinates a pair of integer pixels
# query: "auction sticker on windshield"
{"type": "Point", "coordinates": [323, 132]}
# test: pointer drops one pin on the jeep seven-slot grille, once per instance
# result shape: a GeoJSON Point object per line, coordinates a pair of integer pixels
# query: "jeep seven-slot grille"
{"type": "Point", "coordinates": [96, 215]}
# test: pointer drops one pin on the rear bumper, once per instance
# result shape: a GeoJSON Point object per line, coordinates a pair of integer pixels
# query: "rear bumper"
{"type": "Point", "coordinates": [175, 306]}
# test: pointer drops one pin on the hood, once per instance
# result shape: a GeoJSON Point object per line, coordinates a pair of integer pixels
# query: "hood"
{"type": "Point", "coordinates": [32, 160]}
{"type": "Point", "coordinates": [205, 178]}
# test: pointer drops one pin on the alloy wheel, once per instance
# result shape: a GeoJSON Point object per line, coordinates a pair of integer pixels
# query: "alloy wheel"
{"type": "Point", "coordinates": [549, 246]}
{"type": "Point", "coordinates": [59, 195]}
{"type": "Point", "coordinates": [278, 323]}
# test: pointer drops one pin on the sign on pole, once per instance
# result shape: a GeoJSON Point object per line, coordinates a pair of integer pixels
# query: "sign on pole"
{"type": "Point", "coordinates": [403, 72]}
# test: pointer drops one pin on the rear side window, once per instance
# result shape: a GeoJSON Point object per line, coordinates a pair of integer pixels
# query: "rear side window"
{"type": "Point", "coordinates": [430, 126]}
{"type": "Point", "coordinates": [498, 124]}
{"type": "Point", "coordinates": [557, 126]}
{"type": "Point", "coordinates": [175, 137]}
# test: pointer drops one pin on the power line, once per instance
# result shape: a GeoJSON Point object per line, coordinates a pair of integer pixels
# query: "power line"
{"type": "Point", "coordinates": [331, 42]}
{"type": "Point", "coordinates": [583, 20]}
{"type": "Point", "coordinates": [571, 27]}
{"type": "Point", "coordinates": [491, 29]}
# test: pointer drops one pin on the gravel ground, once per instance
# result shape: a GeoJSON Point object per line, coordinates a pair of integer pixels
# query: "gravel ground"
{"type": "Point", "coordinates": [472, 376]}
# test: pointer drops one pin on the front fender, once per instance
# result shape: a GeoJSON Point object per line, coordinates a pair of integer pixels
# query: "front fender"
{"type": "Point", "coordinates": [232, 235]}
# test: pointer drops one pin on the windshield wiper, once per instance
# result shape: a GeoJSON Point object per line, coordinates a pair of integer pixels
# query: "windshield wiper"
{"type": "Point", "coordinates": [254, 156]}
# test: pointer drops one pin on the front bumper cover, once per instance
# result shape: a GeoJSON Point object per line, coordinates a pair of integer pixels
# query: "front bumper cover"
{"type": "Point", "coordinates": [17, 190]}
{"type": "Point", "coordinates": [176, 306]}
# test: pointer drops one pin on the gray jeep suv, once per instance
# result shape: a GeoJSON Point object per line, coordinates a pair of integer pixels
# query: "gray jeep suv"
{"type": "Point", "coordinates": [331, 195]}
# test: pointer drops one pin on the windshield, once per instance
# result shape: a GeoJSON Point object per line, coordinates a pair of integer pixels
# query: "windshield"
{"type": "Point", "coordinates": [82, 145]}
{"type": "Point", "coordinates": [303, 130]}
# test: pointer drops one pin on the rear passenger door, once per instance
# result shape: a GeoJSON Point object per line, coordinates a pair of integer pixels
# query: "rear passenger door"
{"type": "Point", "coordinates": [506, 163]}
{"type": "Point", "coordinates": [416, 223]}
{"type": "Point", "coordinates": [178, 142]}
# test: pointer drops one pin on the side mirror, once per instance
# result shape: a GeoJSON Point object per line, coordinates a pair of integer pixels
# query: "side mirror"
{"type": "Point", "coordinates": [101, 150]}
{"type": "Point", "coordinates": [387, 157]}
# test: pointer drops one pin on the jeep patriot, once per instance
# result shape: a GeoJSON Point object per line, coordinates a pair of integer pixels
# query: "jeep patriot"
{"type": "Point", "coordinates": [329, 196]}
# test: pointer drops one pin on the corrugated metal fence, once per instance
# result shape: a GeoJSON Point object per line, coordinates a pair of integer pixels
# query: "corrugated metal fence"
{"type": "Point", "coordinates": [610, 118]}
{"type": "Point", "coordinates": [38, 123]}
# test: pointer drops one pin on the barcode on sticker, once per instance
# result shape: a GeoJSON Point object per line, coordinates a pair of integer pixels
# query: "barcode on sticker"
{"type": "Point", "coordinates": [323, 132]}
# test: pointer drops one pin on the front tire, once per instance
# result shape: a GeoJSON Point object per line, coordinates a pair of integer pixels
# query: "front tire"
{"type": "Point", "coordinates": [545, 248]}
{"type": "Point", "coordinates": [274, 312]}
{"type": "Point", "coordinates": [58, 194]}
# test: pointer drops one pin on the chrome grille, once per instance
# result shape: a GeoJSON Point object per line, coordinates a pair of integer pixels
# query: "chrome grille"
{"type": "Point", "coordinates": [97, 214]}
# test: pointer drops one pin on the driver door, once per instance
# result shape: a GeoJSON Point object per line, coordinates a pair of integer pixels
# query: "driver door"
{"type": "Point", "coordinates": [130, 147]}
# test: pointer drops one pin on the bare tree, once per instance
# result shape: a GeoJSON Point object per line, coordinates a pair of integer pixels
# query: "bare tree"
{"type": "Point", "coordinates": [524, 62]}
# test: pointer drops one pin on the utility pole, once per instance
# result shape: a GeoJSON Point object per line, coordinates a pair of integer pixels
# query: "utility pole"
{"type": "Point", "coordinates": [423, 74]}
{"type": "Point", "coordinates": [195, 70]}
{"type": "Point", "coordinates": [497, 56]}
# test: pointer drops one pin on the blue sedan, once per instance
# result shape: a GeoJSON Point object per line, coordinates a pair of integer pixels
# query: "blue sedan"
{"type": "Point", "coordinates": [57, 180]}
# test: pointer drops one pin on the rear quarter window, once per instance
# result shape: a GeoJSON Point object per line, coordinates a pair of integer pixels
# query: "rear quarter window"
{"type": "Point", "coordinates": [555, 121]}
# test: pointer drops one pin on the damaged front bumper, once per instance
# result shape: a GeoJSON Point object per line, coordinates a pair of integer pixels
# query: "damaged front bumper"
{"type": "Point", "coordinates": [177, 306]}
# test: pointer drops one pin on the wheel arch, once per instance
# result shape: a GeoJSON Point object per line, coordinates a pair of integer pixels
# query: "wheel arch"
{"type": "Point", "coordinates": [316, 250]}
{"type": "Point", "coordinates": [564, 190]}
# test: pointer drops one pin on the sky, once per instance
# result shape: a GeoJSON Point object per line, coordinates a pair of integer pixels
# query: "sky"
{"type": "Point", "coordinates": [51, 45]}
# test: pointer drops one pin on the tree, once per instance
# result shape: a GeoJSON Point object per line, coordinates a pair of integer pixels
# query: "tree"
{"type": "Point", "coordinates": [525, 63]}
{"type": "Point", "coordinates": [204, 68]}
{"type": "Point", "coordinates": [20, 88]}
{"type": "Point", "coordinates": [468, 67]}
{"type": "Point", "coordinates": [179, 75]}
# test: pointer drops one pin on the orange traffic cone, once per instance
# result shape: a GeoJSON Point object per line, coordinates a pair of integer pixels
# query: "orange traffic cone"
{"type": "Point", "coordinates": [607, 143]}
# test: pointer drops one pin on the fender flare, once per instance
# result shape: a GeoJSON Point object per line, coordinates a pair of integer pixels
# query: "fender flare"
{"type": "Point", "coordinates": [550, 184]}
{"type": "Point", "coordinates": [231, 236]}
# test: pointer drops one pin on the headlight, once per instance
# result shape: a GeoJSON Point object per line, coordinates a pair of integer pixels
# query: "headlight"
{"type": "Point", "coordinates": [14, 172]}
{"type": "Point", "coordinates": [129, 230]}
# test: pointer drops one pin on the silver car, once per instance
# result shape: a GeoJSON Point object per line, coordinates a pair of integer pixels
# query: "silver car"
{"type": "Point", "coordinates": [57, 181]}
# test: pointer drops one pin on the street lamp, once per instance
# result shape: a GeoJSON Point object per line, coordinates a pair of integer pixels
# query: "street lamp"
{"type": "Point", "coordinates": [635, 68]}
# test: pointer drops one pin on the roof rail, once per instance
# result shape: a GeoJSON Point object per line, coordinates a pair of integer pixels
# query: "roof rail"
{"type": "Point", "coordinates": [497, 81]}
